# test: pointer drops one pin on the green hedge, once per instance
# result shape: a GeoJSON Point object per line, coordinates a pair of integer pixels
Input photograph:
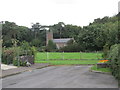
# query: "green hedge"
{"type": "Point", "coordinates": [114, 57]}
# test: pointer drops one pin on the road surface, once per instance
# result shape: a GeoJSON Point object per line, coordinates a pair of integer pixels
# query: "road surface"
{"type": "Point", "coordinates": [60, 77]}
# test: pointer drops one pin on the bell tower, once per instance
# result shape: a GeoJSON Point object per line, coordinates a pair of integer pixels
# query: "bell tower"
{"type": "Point", "coordinates": [49, 36]}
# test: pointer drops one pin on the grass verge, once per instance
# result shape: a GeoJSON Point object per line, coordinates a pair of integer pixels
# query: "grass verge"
{"type": "Point", "coordinates": [100, 69]}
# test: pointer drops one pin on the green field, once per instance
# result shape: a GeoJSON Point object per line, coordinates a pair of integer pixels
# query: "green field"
{"type": "Point", "coordinates": [68, 62]}
{"type": "Point", "coordinates": [57, 58]}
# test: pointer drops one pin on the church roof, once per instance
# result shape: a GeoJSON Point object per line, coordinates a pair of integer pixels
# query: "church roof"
{"type": "Point", "coordinates": [63, 40]}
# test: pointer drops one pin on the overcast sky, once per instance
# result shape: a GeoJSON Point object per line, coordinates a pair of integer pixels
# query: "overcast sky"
{"type": "Point", "coordinates": [49, 12]}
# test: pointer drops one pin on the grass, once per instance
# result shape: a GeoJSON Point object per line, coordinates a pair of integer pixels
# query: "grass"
{"type": "Point", "coordinates": [57, 58]}
{"type": "Point", "coordinates": [68, 62]}
{"type": "Point", "coordinates": [100, 69]}
{"type": "Point", "coordinates": [69, 55]}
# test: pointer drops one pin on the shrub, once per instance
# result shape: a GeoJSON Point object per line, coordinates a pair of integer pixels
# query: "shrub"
{"type": "Point", "coordinates": [36, 42]}
{"type": "Point", "coordinates": [70, 48]}
{"type": "Point", "coordinates": [114, 57]}
{"type": "Point", "coordinates": [51, 47]}
{"type": "Point", "coordinates": [8, 55]}
{"type": "Point", "coordinates": [20, 63]}
{"type": "Point", "coordinates": [33, 50]}
{"type": "Point", "coordinates": [105, 51]}
{"type": "Point", "coordinates": [26, 49]}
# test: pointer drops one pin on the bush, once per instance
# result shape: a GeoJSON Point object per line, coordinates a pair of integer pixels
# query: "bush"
{"type": "Point", "coordinates": [26, 49]}
{"type": "Point", "coordinates": [114, 57]}
{"type": "Point", "coordinates": [105, 50]}
{"type": "Point", "coordinates": [36, 42]}
{"type": "Point", "coordinates": [8, 55]}
{"type": "Point", "coordinates": [33, 50]}
{"type": "Point", "coordinates": [20, 63]}
{"type": "Point", "coordinates": [70, 48]}
{"type": "Point", "coordinates": [51, 47]}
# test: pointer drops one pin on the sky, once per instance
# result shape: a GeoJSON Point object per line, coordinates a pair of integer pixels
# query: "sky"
{"type": "Point", "coordinates": [49, 12]}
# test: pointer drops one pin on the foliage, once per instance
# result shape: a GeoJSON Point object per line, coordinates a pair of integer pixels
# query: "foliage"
{"type": "Point", "coordinates": [68, 31]}
{"type": "Point", "coordinates": [25, 45]}
{"type": "Point", "coordinates": [26, 49]}
{"type": "Point", "coordinates": [70, 42]}
{"type": "Point", "coordinates": [51, 46]}
{"type": "Point", "coordinates": [8, 55]}
{"type": "Point", "coordinates": [36, 42]}
{"type": "Point", "coordinates": [89, 38]}
{"type": "Point", "coordinates": [114, 57]}
{"type": "Point", "coordinates": [33, 50]}
{"type": "Point", "coordinates": [99, 33]}
{"type": "Point", "coordinates": [12, 31]}
{"type": "Point", "coordinates": [11, 55]}
{"type": "Point", "coordinates": [19, 63]}
{"type": "Point", "coordinates": [70, 48]}
{"type": "Point", "coordinates": [105, 50]}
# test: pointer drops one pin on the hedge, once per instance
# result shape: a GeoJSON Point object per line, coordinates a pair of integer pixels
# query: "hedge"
{"type": "Point", "coordinates": [114, 57]}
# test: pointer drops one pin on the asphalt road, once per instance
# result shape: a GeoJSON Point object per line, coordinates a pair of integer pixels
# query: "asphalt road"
{"type": "Point", "coordinates": [60, 77]}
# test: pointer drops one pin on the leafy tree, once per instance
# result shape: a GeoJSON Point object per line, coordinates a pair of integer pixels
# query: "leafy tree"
{"type": "Point", "coordinates": [51, 46]}
{"type": "Point", "coordinates": [36, 28]}
{"type": "Point", "coordinates": [70, 42]}
{"type": "Point", "coordinates": [25, 45]}
{"type": "Point", "coordinates": [36, 43]}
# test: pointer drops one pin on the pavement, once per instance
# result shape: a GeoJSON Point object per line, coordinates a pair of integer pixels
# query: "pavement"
{"type": "Point", "coordinates": [12, 70]}
{"type": "Point", "coordinates": [60, 77]}
{"type": "Point", "coordinates": [6, 67]}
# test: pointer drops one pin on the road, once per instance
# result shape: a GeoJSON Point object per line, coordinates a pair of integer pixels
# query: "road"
{"type": "Point", "coordinates": [60, 77]}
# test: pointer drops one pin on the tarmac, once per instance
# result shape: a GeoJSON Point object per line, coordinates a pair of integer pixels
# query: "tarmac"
{"type": "Point", "coordinates": [61, 77]}
{"type": "Point", "coordinates": [14, 71]}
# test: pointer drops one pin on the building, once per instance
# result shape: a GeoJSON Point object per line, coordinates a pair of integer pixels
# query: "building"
{"type": "Point", "coordinates": [59, 42]}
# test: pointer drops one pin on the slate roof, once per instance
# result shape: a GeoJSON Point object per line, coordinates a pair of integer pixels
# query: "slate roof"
{"type": "Point", "coordinates": [63, 40]}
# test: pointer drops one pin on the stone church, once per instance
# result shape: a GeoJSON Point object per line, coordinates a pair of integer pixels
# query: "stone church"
{"type": "Point", "coordinates": [59, 42]}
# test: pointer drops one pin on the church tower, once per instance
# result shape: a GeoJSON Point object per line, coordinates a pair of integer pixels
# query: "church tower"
{"type": "Point", "coordinates": [49, 36]}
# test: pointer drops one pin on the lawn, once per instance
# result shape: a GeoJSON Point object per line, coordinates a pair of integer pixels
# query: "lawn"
{"type": "Point", "coordinates": [100, 69]}
{"type": "Point", "coordinates": [68, 62]}
{"type": "Point", "coordinates": [68, 55]}
{"type": "Point", "coordinates": [57, 58]}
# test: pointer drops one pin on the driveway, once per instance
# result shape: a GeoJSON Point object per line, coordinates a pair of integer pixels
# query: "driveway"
{"type": "Point", "coordinates": [60, 77]}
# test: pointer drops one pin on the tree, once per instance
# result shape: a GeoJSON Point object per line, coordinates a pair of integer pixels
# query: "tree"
{"type": "Point", "coordinates": [36, 43]}
{"type": "Point", "coordinates": [36, 28]}
{"type": "Point", "coordinates": [51, 46]}
{"type": "Point", "coordinates": [9, 32]}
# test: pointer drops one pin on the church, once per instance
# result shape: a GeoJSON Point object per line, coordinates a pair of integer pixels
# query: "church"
{"type": "Point", "coordinates": [59, 42]}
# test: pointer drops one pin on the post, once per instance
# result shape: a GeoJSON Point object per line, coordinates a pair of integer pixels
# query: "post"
{"type": "Point", "coordinates": [47, 56]}
{"type": "Point", "coordinates": [80, 55]}
{"type": "Point", "coordinates": [18, 58]}
{"type": "Point", "coordinates": [98, 55]}
{"type": "Point", "coordinates": [63, 55]}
